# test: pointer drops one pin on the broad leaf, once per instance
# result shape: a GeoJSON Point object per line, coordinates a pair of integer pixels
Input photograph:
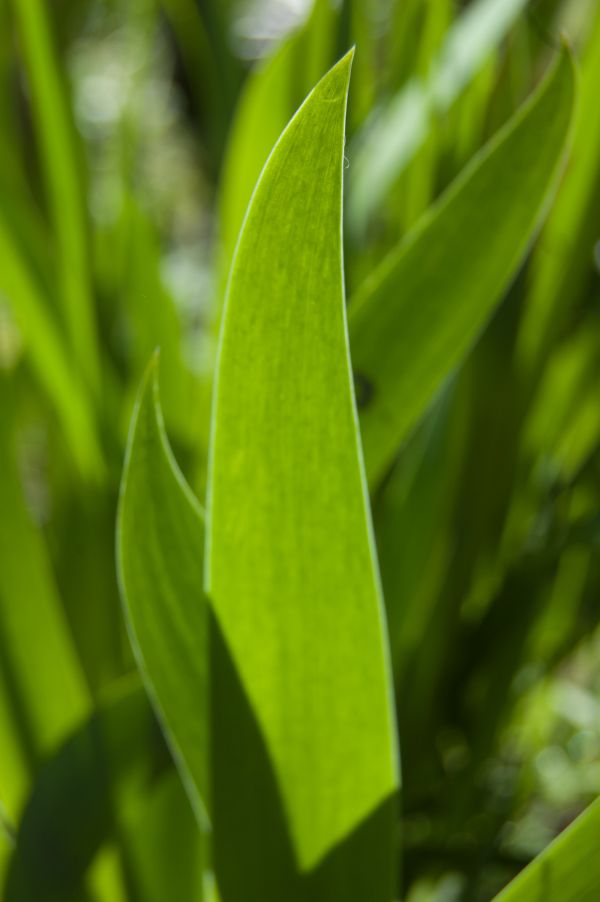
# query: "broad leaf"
{"type": "Point", "coordinates": [567, 871]}
{"type": "Point", "coordinates": [419, 313]}
{"type": "Point", "coordinates": [160, 540]}
{"type": "Point", "coordinates": [291, 570]}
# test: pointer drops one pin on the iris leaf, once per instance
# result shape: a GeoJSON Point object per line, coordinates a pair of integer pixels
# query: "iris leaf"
{"type": "Point", "coordinates": [291, 570]}
{"type": "Point", "coordinates": [159, 545]}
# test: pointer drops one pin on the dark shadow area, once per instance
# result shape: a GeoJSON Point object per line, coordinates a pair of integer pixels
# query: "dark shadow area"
{"type": "Point", "coordinates": [254, 856]}
{"type": "Point", "coordinates": [70, 812]}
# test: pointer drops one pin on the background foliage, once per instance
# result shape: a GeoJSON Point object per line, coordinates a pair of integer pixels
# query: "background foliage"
{"type": "Point", "coordinates": [132, 137]}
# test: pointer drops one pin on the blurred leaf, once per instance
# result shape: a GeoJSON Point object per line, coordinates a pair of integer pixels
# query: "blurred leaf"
{"type": "Point", "coordinates": [567, 871]}
{"type": "Point", "coordinates": [202, 68]}
{"type": "Point", "coordinates": [47, 700]}
{"type": "Point", "coordinates": [15, 771]}
{"type": "Point", "coordinates": [164, 849]}
{"type": "Point", "coordinates": [564, 255]}
{"type": "Point", "coordinates": [155, 320]}
{"type": "Point", "coordinates": [73, 807]}
{"type": "Point", "coordinates": [291, 568]}
{"type": "Point", "coordinates": [48, 356]}
{"type": "Point", "coordinates": [159, 543]}
{"type": "Point", "coordinates": [61, 169]}
{"type": "Point", "coordinates": [419, 313]}
{"type": "Point", "coordinates": [396, 131]}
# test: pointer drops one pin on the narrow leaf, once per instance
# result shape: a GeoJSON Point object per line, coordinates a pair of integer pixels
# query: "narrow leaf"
{"type": "Point", "coordinates": [61, 171]}
{"type": "Point", "coordinates": [47, 352]}
{"type": "Point", "coordinates": [291, 571]}
{"type": "Point", "coordinates": [417, 316]}
{"type": "Point", "coordinates": [43, 702]}
{"type": "Point", "coordinates": [159, 545]}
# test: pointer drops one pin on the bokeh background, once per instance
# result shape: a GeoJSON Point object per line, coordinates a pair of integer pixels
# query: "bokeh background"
{"type": "Point", "coordinates": [131, 136]}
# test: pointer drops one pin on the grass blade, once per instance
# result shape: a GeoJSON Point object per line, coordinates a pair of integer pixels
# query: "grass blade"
{"type": "Point", "coordinates": [48, 357]}
{"type": "Point", "coordinates": [61, 170]}
{"type": "Point", "coordinates": [47, 699]}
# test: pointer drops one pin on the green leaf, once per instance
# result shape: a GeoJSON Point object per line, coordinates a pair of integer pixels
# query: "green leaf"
{"type": "Point", "coordinates": [39, 704]}
{"type": "Point", "coordinates": [418, 314]}
{"type": "Point", "coordinates": [49, 359]}
{"type": "Point", "coordinates": [567, 871]}
{"type": "Point", "coordinates": [291, 569]}
{"type": "Point", "coordinates": [159, 546]}
{"type": "Point", "coordinates": [271, 94]}
{"type": "Point", "coordinates": [560, 267]}
{"type": "Point", "coordinates": [64, 187]}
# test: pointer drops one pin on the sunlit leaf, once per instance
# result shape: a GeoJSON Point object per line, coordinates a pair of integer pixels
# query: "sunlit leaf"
{"type": "Point", "coordinates": [291, 570]}
{"type": "Point", "coordinates": [271, 94]}
{"type": "Point", "coordinates": [567, 871]}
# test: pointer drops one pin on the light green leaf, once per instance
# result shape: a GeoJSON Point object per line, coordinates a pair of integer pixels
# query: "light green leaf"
{"type": "Point", "coordinates": [419, 313]}
{"type": "Point", "coordinates": [159, 546]}
{"type": "Point", "coordinates": [291, 569]}
{"type": "Point", "coordinates": [396, 131]}
{"type": "Point", "coordinates": [567, 871]}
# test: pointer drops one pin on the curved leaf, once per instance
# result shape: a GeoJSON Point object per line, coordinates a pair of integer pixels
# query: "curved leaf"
{"type": "Point", "coordinates": [159, 546]}
{"type": "Point", "coordinates": [291, 569]}
{"type": "Point", "coordinates": [419, 313]}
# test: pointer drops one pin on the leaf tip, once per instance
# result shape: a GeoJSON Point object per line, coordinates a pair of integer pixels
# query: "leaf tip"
{"type": "Point", "coordinates": [334, 84]}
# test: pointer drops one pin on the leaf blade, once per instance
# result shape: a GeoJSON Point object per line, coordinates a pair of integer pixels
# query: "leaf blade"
{"type": "Point", "coordinates": [285, 479]}
{"type": "Point", "coordinates": [160, 536]}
